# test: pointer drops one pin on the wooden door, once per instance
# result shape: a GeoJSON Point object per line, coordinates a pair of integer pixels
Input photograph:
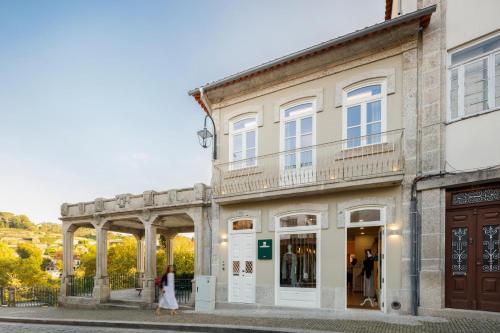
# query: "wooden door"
{"type": "Point", "coordinates": [459, 260]}
{"type": "Point", "coordinates": [242, 251]}
{"type": "Point", "coordinates": [487, 259]}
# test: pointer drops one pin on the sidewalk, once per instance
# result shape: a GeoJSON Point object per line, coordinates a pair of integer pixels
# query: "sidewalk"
{"type": "Point", "coordinates": [244, 320]}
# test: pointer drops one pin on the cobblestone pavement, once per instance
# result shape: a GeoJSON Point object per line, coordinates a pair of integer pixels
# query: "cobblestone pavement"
{"type": "Point", "coordinates": [326, 321]}
{"type": "Point", "coordinates": [29, 328]}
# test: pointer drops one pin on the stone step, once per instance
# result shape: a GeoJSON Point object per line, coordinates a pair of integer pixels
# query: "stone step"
{"type": "Point", "coordinates": [119, 305]}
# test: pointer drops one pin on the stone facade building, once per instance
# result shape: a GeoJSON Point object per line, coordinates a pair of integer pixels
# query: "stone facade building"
{"type": "Point", "coordinates": [316, 156]}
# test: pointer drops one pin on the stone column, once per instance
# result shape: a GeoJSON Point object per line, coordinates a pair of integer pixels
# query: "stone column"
{"type": "Point", "coordinates": [148, 292]}
{"type": "Point", "coordinates": [140, 252]}
{"type": "Point", "coordinates": [202, 252]}
{"type": "Point", "coordinates": [67, 274]}
{"type": "Point", "coordinates": [101, 291]}
{"type": "Point", "coordinates": [169, 238]}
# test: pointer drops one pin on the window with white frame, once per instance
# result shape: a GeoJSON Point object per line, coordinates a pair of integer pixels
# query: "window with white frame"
{"type": "Point", "coordinates": [364, 115]}
{"type": "Point", "coordinates": [365, 215]}
{"type": "Point", "coordinates": [474, 79]}
{"type": "Point", "coordinates": [298, 136]}
{"type": "Point", "coordinates": [243, 142]}
{"type": "Point", "coordinates": [298, 246]}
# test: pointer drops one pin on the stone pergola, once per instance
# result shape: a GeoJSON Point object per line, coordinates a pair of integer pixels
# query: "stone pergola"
{"type": "Point", "coordinates": [145, 216]}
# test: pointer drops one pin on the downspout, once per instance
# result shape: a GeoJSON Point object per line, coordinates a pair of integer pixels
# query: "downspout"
{"type": "Point", "coordinates": [414, 222]}
{"type": "Point", "coordinates": [415, 237]}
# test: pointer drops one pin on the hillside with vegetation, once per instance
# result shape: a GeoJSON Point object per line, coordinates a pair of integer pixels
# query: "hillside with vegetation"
{"type": "Point", "coordinates": [31, 254]}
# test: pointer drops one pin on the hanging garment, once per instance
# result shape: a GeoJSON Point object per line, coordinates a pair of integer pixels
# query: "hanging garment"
{"type": "Point", "coordinates": [289, 268]}
{"type": "Point", "coordinates": [167, 299]}
{"type": "Point", "coordinates": [368, 287]}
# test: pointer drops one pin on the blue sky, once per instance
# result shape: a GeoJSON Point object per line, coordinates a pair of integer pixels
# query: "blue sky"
{"type": "Point", "coordinates": [93, 94]}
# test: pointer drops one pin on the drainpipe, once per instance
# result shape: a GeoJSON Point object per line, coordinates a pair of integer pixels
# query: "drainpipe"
{"type": "Point", "coordinates": [209, 115]}
{"type": "Point", "coordinates": [414, 237]}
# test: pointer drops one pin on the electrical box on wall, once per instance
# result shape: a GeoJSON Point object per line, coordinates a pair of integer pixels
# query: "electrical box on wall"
{"type": "Point", "coordinates": [205, 293]}
{"type": "Point", "coordinates": [265, 249]}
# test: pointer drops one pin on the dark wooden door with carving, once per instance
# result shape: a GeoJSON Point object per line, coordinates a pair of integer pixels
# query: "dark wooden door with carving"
{"type": "Point", "coordinates": [472, 249]}
{"type": "Point", "coordinates": [459, 260]}
{"type": "Point", "coordinates": [487, 270]}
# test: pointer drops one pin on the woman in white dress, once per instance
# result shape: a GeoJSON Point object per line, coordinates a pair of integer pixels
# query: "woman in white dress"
{"type": "Point", "coordinates": [167, 296]}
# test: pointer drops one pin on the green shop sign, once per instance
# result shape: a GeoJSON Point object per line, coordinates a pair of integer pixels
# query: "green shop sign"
{"type": "Point", "coordinates": [265, 247]}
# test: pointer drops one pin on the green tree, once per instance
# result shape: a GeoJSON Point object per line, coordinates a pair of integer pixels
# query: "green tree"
{"type": "Point", "coordinates": [8, 261]}
{"type": "Point", "coordinates": [122, 257]}
{"type": "Point", "coordinates": [87, 262]}
{"type": "Point", "coordinates": [29, 266]}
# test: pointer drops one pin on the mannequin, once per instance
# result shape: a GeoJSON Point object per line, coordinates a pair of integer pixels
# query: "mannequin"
{"type": "Point", "coordinates": [289, 267]}
{"type": "Point", "coordinates": [367, 272]}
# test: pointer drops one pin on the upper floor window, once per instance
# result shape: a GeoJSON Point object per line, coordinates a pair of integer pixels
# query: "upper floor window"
{"type": "Point", "coordinates": [298, 136]}
{"type": "Point", "coordinates": [243, 142]}
{"type": "Point", "coordinates": [364, 115]}
{"type": "Point", "coordinates": [474, 79]}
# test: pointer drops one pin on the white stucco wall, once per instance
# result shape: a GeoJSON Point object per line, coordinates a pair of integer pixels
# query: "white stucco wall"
{"type": "Point", "coordinates": [474, 143]}
{"type": "Point", "coordinates": [467, 20]}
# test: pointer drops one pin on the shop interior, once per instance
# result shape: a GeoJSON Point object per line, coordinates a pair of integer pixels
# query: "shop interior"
{"type": "Point", "coordinates": [363, 268]}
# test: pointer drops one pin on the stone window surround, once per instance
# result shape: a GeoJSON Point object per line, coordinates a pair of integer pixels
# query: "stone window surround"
{"type": "Point", "coordinates": [387, 74]}
{"type": "Point", "coordinates": [254, 110]}
{"type": "Point", "coordinates": [315, 95]}
{"type": "Point", "coordinates": [346, 206]}
{"type": "Point", "coordinates": [242, 132]}
{"type": "Point", "coordinates": [320, 209]}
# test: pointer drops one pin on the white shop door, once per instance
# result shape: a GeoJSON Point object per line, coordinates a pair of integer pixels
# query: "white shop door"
{"type": "Point", "coordinates": [242, 269]}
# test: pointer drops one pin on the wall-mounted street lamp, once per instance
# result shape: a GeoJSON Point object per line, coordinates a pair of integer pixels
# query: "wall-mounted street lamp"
{"type": "Point", "coordinates": [205, 137]}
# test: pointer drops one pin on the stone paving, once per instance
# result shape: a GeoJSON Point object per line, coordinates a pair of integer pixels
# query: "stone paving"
{"type": "Point", "coordinates": [29, 328]}
{"type": "Point", "coordinates": [356, 321]}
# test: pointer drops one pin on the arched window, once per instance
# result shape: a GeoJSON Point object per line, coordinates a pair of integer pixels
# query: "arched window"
{"type": "Point", "coordinates": [366, 215]}
{"type": "Point", "coordinates": [364, 115]}
{"type": "Point", "coordinates": [298, 135]}
{"type": "Point", "coordinates": [243, 142]}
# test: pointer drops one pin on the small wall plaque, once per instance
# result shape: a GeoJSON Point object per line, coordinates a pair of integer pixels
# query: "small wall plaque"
{"type": "Point", "coordinates": [265, 249]}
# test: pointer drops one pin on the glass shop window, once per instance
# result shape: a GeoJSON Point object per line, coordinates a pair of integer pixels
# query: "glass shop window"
{"type": "Point", "coordinates": [298, 260]}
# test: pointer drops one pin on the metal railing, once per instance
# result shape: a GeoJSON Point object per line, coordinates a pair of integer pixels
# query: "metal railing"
{"type": "Point", "coordinates": [363, 157]}
{"type": "Point", "coordinates": [80, 286]}
{"type": "Point", "coordinates": [183, 290]}
{"type": "Point", "coordinates": [29, 296]}
{"type": "Point", "coordinates": [124, 281]}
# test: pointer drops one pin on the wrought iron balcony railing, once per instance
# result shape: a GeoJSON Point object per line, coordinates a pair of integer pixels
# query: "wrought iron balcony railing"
{"type": "Point", "coordinates": [363, 157]}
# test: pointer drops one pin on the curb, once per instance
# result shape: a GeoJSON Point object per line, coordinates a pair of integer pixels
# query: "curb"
{"type": "Point", "coordinates": [206, 328]}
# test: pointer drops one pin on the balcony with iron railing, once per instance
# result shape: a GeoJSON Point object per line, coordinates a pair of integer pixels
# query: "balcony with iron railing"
{"type": "Point", "coordinates": [339, 162]}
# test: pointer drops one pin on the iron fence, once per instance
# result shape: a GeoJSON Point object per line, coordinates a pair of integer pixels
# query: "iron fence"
{"type": "Point", "coordinates": [80, 286]}
{"type": "Point", "coordinates": [183, 290]}
{"type": "Point", "coordinates": [368, 156]}
{"type": "Point", "coordinates": [123, 281]}
{"type": "Point", "coordinates": [29, 296]}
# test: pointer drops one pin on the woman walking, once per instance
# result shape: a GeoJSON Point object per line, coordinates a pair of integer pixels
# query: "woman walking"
{"type": "Point", "coordinates": [167, 288]}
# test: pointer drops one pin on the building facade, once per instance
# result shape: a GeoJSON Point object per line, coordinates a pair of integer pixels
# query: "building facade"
{"type": "Point", "coordinates": [316, 157]}
{"type": "Point", "coordinates": [459, 168]}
